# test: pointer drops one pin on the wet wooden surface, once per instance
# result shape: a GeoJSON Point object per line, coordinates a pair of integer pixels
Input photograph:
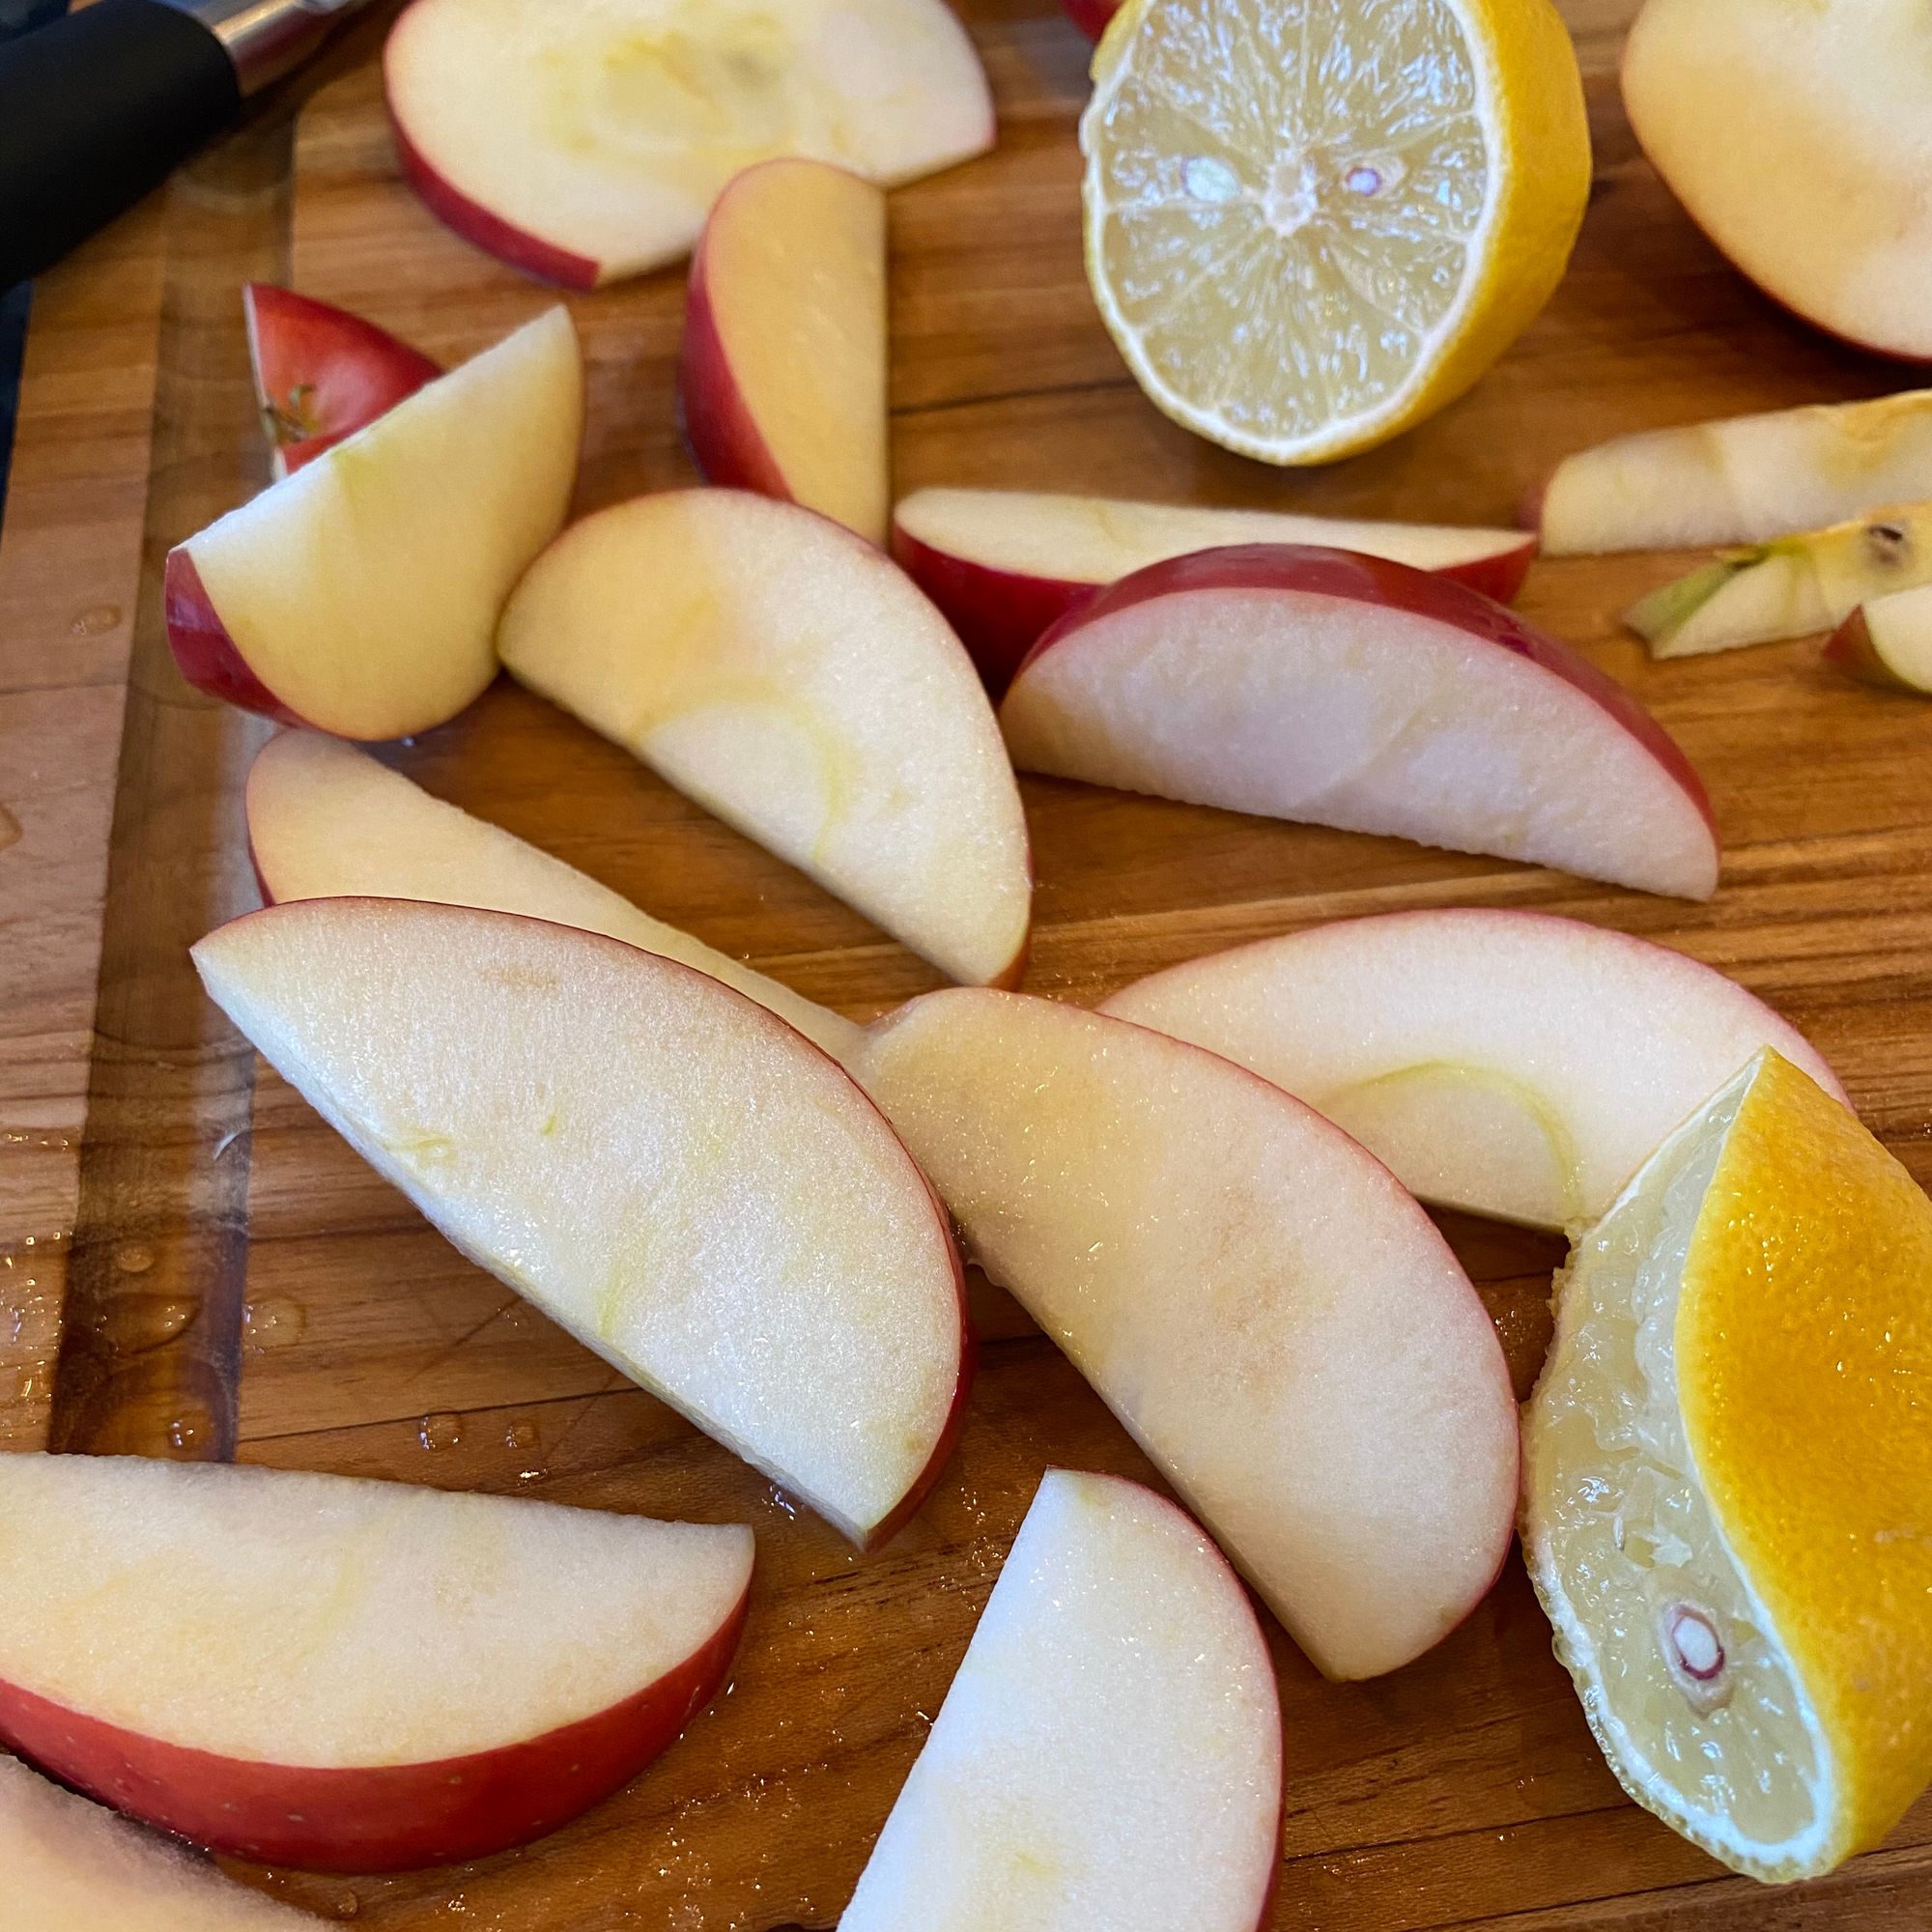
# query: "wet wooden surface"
{"type": "Point", "coordinates": [234, 1281]}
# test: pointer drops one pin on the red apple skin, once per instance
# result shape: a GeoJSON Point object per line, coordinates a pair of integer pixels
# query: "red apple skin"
{"type": "Point", "coordinates": [1380, 581]}
{"type": "Point", "coordinates": [316, 362]}
{"type": "Point", "coordinates": [1091, 16]}
{"type": "Point", "coordinates": [204, 652]}
{"type": "Point", "coordinates": [1002, 614]}
{"type": "Point", "coordinates": [718, 430]}
{"type": "Point", "coordinates": [486, 231]}
{"type": "Point", "coordinates": [1850, 649]}
{"type": "Point", "coordinates": [378, 1817]}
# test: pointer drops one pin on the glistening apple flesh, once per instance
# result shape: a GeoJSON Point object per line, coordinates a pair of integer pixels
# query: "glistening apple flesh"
{"type": "Point", "coordinates": [676, 1175]}
{"type": "Point", "coordinates": [347, 1675]}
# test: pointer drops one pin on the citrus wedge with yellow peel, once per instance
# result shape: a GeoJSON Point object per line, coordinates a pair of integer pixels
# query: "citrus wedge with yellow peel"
{"type": "Point", "coordinates": [1728, 1480]}
{"type": "Point", "coordinates": [1312, 223]}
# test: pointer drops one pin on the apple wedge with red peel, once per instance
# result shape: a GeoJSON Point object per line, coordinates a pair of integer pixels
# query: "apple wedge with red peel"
{"type": "Point", "coordinates": [1091, 16]}
{"type": "Point", "coordinates": [1005, 564]}
{"type": "Point", "coordinates": [74, 1866]}
{"type": "Point", "coordinates": [1109, 1754]}
{"type": "Point", "coordinates": [347, 1675]}
{"type": "Point", "coordinates": [582, 144]}
{"type": "Point", "coordinates": [672, 1173]}
{"type": "Point", "coordinates": [1789, 587]}
{"type": "Point", "coordinates": [1354, 690]}
{"type": "Point", "coordinates": [1741, 480]}
{"type": "Point", "coordinates": [321, 373]}
{"type": "Point", "coordinates": [328, 821]}
{"type": "Point", "coordinates": [793, 680]}
{"type": "Point", "coordinates": [1509, 1064]}
{"type": "Point", "coordinates": [781, 383]}
{"type": "Point", "coordinates": [361, 594]}
{"type": "Point", "coordinates": [1795, 137]}
{"type": "Point", "coordinates": [1887, 642]}
{"type": "Point", "coordinates": [1266, 1310]}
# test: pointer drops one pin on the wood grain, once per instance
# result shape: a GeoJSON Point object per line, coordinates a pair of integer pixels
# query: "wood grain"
{"type": "Point", "coordinates": [1461, 1792]}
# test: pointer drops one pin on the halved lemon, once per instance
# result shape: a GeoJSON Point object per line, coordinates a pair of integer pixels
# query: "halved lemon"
{"type": "Point", "coordinates": [1312, 223]}
{"type": "Point", "coordinates": [1728, 1480]}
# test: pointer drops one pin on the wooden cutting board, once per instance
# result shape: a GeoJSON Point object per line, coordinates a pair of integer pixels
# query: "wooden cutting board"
{"type": "Point", "coordinates": [190, 1264]}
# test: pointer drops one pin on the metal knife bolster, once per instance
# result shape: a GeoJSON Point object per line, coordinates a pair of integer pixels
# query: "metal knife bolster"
{"type": "Point", "coordinates": [267, 38]}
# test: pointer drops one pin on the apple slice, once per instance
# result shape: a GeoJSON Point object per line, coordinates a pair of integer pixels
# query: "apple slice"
{"type": "Point", "coordinates": [1741, 480]}
{"type": "Point", "coordinates": [1787, 588]}
{"type": "Point", "coordinates": [321, 373]}
{"type": "Point", "coordinates": [1004, 564]}
{"type": "Point", "coordinates": [1354, 690]}
{"type": "Point", "coordinates": [1507, 1063]}
{"type": "Point", "coordinates": [71, 1867]}
{"type": "Point", "coordinates": [783, 380]}
{"type": "Point", "coordinates": [327, 821]}
{"type": "Point", "coordinates": [347, 1675]}
{"type": "Point", "coordinates": [794, 681]}
{"type": "Point", "coordinates": [685, 1184]}
{"type": "Point", "coordinates": [361, 593]}
{"type": "Point", "coordinates": [586, 143]}
{"type": "Point", "coordinates": [1887, 642]}
{"type": "Point", "coordinates": [1795, 137]}
{"type": "Point", "coordinates": [1271, 1317]}
{"type": "Point", "coordinates": [1109, 1754]}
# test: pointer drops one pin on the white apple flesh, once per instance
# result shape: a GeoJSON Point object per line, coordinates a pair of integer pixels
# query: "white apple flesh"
{"type": "Point", "coordinates": [1354, 690]}
{"type": "Point", "coordinates": [1505, 1062]}
{"type": "Point", "coordinates": [1795, 137]}
{"type": "Point", "coordinates": [347, 1675]}
{"type": "Point", "coordinates": [1005, 564]}
{"type": "Point", "coordinates": [1790, 587]}
{"type": "Point", "coordinates": [677, 1176]}
{"type": "Point", "coordinates": [793, 680]}
{"type": "Point", "coordinates": [73, 1867]}
{"type": "Point", "coordinates": [1268, 1313]}
{"type": "Point", "coordinates": [328, 821]}
{"type": "Point", "coordinates": [583, 144]}
{"type": "Point", "coordinates": [1887, 642]}
{"type": "Point", "coordinates": [1741, 480]}
{"type": "Point", "coordinates": [361, 593]}
{"type": "Point", "coordinates": [321, 373]}
{"type": "Point", "coordinates": [1109, 1754]}
{"type": "Point", "coordinates": [782, 382]}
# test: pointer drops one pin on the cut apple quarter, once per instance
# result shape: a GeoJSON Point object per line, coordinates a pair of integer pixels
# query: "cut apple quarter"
{"type": "Point", "coordinates": [1789, 587]}
{"type": "Point", "coordinates": [1795, 138]}
{"type": "Point", "coordinates": [1269, 1313]}
{"type": "Point", "coordinates": [1740, 480]}
{"type": "Point", "coordinates": [321, 373]}
{"type": "Point", "coordinates": [1354, 690]}
{"type": "Point", "coordinates": [347, 1675]}
{"type": "Point", "coordinates": [586, 142]}
{"type": "Point", "coordinates": [1109, 1754]}
{"type": "Point", "coordinates": [328, 821]}
{"type": "Point", "coordinates": [671, 1172]}
{"type": "Point", "coordinates": [782, 384]}
{"type": "Point", "coordinates": [1004, 564]}
{"type": "Point", "coordinates": [1887, 642]}
{"type": "Point", "coordinates": [793, 680]}
{"type": "Point", "coordinates": [1507, 1063]}
{"type": "Point", "coordinates": [71, 1867]}
{"type": "Point", "coordinates": [361, 593]}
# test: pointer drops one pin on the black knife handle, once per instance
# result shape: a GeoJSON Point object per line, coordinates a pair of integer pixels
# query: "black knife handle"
{"type": "Point", "coordinates": [97, 109]}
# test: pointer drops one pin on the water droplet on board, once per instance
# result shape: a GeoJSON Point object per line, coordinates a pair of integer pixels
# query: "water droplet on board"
{"type": "Point", "coordinates": [272, 1324]}
{"type": "Point", "coordinates": [439, 1432]}
{"type": "Point", "coordinates": [189, 1429]}
{"type": "Point", "coordinates": [144, 1322]}
{"type": "Point", "coordinates": [96, 621]}
{"type": "Point", "coordinates": [10, 829]}
{"type": "Point", "coordinates": [133, 1258]}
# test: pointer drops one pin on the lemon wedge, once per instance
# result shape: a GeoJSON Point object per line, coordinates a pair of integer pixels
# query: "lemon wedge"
{"type": "Point", "coordinates": [1311, 225]}
{"type": "Point", "coordinates": [1728, 1480]}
